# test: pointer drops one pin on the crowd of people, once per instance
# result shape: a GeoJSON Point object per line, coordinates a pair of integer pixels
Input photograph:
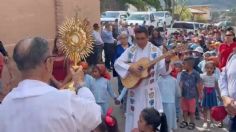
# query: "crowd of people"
{"type": "Point", "coordinates": [183, 87]}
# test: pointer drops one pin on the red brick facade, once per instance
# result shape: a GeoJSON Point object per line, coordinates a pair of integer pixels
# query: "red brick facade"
{"type": "Point", "coordinates": [25, 18]}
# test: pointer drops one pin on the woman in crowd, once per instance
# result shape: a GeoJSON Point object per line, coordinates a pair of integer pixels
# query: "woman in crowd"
{"type": "Point", "coordinates": [61, 67]}
{"type": "Point", "coordinates": [120, 48]}
{"type": "Point", "coordinates": [226, 48]}
{"type": "Point", "coordinates": [156, 38]}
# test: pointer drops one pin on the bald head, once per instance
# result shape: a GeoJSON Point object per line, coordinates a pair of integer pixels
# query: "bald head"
{"type": "Point", "coordinates": [30, 53]}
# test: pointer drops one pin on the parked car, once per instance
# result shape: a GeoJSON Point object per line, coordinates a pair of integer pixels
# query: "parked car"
{"type": "Point", "coordinates": [179, 25]}
{"type": "Point", "coordinates": [163, 16]}
{"type": "Point", "coordinates": [141, 18]}
{"type": "Point", "coordinates": [111, 16]}
{"type": "Point", "coordinates": [223, 24]}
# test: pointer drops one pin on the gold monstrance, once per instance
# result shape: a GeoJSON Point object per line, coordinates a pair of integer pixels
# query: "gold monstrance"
{"type": "Point", "coordinates": [75, 41]}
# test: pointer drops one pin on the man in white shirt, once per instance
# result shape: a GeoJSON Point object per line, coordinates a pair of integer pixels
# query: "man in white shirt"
{"type": "Point", "coordinates": [98, 43]}
{"type": "Point", "coordinates": [34, 106]}
{"type": "Point", "coordinates": [227, 85]}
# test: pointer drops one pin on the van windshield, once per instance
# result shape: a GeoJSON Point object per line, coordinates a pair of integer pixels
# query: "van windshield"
{"type": "Point", "coordinates": [183, 25]}
{"type": "Point", "coordinates": [138, 17]}
{"type": "Point", "coordinates": [159, 14]}
{"type": "Point", "coordinates": [110, 15]}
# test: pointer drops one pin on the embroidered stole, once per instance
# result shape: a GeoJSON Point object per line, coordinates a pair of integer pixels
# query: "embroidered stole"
{"type": "Point", "coordinates": [151, 85]}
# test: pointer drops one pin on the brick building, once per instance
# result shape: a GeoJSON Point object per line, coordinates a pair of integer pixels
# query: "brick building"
{"type": "Point", "coordinates": [25, 18]}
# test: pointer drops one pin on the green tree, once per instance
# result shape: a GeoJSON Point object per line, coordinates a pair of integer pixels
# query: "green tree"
{"type": "Point", "coordinates": [168, 5]}
{"type": "Point", "coordinates": [183, 13]}
{"type": "Point", "coordinates": [139, 4]}
{"type": "Point", "coordinates": [154, 3]}
{"type": "Point", "coordinates": [142, 4]}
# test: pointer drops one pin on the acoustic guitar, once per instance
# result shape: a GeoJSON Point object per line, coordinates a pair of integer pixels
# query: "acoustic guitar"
{"type": "Point", "coordinates": [132, 80]}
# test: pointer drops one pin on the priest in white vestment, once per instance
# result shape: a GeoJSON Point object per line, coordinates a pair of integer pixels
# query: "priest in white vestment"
{"type": "Point", "coordinates": [146, 94]}
{"type": "Point", "coordinates": [34, 106]}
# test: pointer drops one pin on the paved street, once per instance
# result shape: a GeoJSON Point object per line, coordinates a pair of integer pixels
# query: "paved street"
{"type": "Point", "coordinates": [121, 118]}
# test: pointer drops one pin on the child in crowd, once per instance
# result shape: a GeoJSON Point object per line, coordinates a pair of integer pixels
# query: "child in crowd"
{"type": "Point", "coordinates": [210, 87]}
{"type": "Point", "coordinates": [101, 87]}
{"type": "Point", "coordinates": [191, 87]}
{"type": "Point", "coordinates": [150, 120]}
{"type": "Point", "coordinates": [169, 92]}
{"type": "Point", "coordinates": [88, 79]}
{"type": "Point", "coordinates": [201, 65]}
{"type": "Point", "coordinates": [179, 68]}
{"type": "Point", "coordinates": [207, 57]}
{"type": "Point", "coordinates": [109, 123]}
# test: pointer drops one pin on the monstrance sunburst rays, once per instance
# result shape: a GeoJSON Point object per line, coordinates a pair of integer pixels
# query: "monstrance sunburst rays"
{"type": "Point", "coordinates": [75, 39]}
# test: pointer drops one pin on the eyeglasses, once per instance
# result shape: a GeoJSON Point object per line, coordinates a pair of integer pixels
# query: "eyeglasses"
{"type": "Point", "coordinates": [49, 57]}
{"type": "Point", "coordinates": [123, 38]}
{"type": "Point", "coordinates": [229, 35]}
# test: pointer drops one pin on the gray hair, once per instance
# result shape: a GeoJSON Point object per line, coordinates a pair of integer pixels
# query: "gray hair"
{"type": "Point", "coordinates": [123, 34]}
{"type": "Point", "coordinates": [29, 53]}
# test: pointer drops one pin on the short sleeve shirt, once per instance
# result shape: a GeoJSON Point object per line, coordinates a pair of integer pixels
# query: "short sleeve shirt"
{"type": "Point", "coordinates": [189, 84]}
{"type": "Point", "coordinates": [208, 81]}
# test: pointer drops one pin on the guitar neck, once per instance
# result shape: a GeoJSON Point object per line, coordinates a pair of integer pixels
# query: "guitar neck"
{"type": "Point", "coordinates": [153, 62]}
{"type": "Point", "coordinates": [177, 49]}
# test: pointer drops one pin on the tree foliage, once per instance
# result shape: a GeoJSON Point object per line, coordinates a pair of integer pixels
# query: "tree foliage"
{"type": "Point", "coordinates": [183, 13]}
{"type": "Point", "coordinates": [168, 5]}
{"type": "Point", "coordinates": [142, 4]}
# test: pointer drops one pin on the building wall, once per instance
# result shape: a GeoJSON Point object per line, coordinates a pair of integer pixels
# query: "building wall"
{"type": "Point", "coordinates": [37, 17]}
{"type": "Point", "coordinates": [25, 18]}
{"type": "Point", "coordinates": [205, 9]}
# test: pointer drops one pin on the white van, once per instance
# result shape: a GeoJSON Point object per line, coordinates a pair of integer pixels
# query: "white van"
{"type": "Point", "coordinates": [163, 16]}
{"type": "Point", "coordinates": [111, 16]}
{"type": "Point", "coordinates": [179, 25]}
{"type": "Point", "coordinates": [141, 17]}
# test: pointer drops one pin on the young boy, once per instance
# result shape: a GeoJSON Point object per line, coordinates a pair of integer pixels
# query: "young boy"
{"type": "Point", "coordinates": [191, 87]}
